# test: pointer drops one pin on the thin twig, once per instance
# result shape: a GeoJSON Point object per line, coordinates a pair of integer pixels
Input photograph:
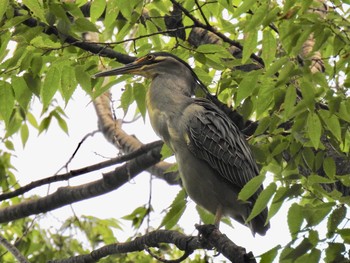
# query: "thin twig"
{"type": "Point", "coordinates": [142, 36]}
{"type": "Point", "coordinates": [202, 14]}
{"type": "Point", "coordinates": [76, 150]}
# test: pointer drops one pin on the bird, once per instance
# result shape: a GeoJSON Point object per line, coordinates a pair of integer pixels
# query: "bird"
{"type": "Point", "coordinates": [213, 156]}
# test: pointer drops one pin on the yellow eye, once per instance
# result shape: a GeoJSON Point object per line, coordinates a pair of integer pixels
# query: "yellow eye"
{"type": "Point", "coordinates": [150, 57]}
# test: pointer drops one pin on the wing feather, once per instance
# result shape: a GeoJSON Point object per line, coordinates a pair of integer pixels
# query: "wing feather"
{"type": "Point", "coordinates": [214, 138]}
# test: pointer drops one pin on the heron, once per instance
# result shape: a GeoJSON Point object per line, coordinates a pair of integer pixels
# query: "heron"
{"type": "Point", "coordinates": [213, 156]}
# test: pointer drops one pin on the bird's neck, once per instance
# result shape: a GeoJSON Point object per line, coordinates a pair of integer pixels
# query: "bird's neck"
{"type": "Point", "coordinates": [167, 99]}
{"type": "Point", "coordinates": [169, 93]}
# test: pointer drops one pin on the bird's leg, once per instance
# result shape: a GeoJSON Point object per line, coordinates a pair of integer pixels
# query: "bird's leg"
{"type": "Point", "coordinates": [218, 216]}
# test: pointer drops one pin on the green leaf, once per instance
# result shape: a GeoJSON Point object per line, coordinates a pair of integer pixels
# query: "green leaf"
{"type": "Point", "coordinates": [36, 64]}
{"type": "Point", "coordinates": [24, 134]}
{"type": "Point", "coordinates": [126, 8]}
{"type": "Point", "coordinates": [246, 87]}
{"type": "Point", "coordinates": [97, 9]}
{"type": "Point", "coordinates": [31, 119]}
{"type": "Point", "coordinates": [51, 85]}
{"type": "Point", "coordinates": [83, 78]}
{"type": "Point", "coordinates": [36, 7]}
{"type": "Point", "coordinates": [112, 12]}
{"type": "Point", "coordinates": [257, 18]}
{"type": "Point", "coordinates": [3, 8]}
{"type": "Point", "coordinates": [276, 66]}
{"type": "Point", "coordinates": [335, 252]}
{"type": "Point", "coordinates": [335, 218]}
{"type": "Point", "coordinates": [332, 123]}
{"type": "Point", "coordinates": [312, 257]}
{"type": "Point", "coordinates": [262, 200]}
{"type": "Point", "coordinates": [166, 151]}
{"type": "Point", "coordinates": [295, 219]}
{"type": "Point", "coordinates": [137, 216]}
{"type": "Point", "coordinates": [244, 7]}
{"type": "Point", "coordinates": [285, 73]}
{"type": "Point", "coordinates": [68, 82]}
{"type": "Point", "coordinates": [61, 122]}
{"type": "Point", "coordinates": [44, 42]}
{"type": "Point", "coordinates": [308, 93]}
{"type": "Point", "coordinates": [269, 46]}
{"type": "Point", "coordinates": [316, 179]}
{"type": "Point", "coordinates": [205, 216]}
{"type": "Point", "coordinates": [7, 101]}
{"type": "Point", "coordinates": [289, 102]}
{"type": "Point", "coordinates": [282, 194]}
{"type": "Point", "coordinates": [214, 49]}
{"type": "Point", "coordinates": [300, 250]}
{"type": "Point", "coordinates": [140, 97]}
{"type": "Point", "coordinates": [127, 98]}
{"type": "Point", "coordinates": [22, 92]}
{"type": "Point", "coordinates": [329, 167]}
{"type": "Point", "coordinates": [269, 256]}
{"type": "Point", "coordinates": [315, 214]}
{"type": "Point", "coordinates": [314, 129]}
{"type": "Point", "coordinates": [250, 43]}
{"type": "Point", "coordinates": [45, 123]}
{"type": "Point", "coordinates": [251, 187]}
{"type": "Point", "coordinates": [9, 145]}
{"type": "Point", "coordinates": [177, 208]}
{"type": "Point", "coordinates": [345, 234]}
{"type": "Point", "coordinates": [84, 25]}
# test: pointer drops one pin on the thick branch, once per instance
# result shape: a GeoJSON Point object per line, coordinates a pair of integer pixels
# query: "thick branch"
{"type": "Point", "coordinates": [224, 245]}
{"type": "Point", "coordinates": [210, 235]}
{"type": "Point", "coordinates": [68, 195]}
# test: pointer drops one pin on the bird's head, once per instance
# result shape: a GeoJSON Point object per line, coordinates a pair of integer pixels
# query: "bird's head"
{"type": "Point", "coordinates": [155, 64]}
{"type": "Point", "coordinates": [150, 66]}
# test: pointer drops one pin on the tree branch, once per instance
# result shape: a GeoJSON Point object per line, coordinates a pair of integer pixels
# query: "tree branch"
{"type": "Point", "coordinates": [68, 195]}
{"type": "Point", "coordinates": [73, 173]}
{"type": "Point", "coordinates": [209, 235]}
{"type": "Point", "coordinates": [13, 250]}
{"type": "Point", "coordinates": [113, 132]}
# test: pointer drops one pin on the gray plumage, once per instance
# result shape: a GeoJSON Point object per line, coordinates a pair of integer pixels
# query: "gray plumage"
{"type": "Point", "coordinates": [213, 157]}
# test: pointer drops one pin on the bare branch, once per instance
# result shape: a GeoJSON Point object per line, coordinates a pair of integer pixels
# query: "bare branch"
{"type": "Point", "coordinates": [210, 235]}
{"type": "Point", "coordinates": [13, 250]}
{"type": "Point", "coordinates": [224, 245]}
{"type": "Point", "coordinates": [68, 195]}
{"type": "Point", "coordinates": [73, 173]}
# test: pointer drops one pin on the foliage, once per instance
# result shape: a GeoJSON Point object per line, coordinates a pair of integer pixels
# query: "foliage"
{"type": "Point", "coordinates": [258, 65]}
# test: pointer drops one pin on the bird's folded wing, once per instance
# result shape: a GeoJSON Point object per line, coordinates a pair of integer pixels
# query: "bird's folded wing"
{"type": "Point", "coordinates": [214, 138]}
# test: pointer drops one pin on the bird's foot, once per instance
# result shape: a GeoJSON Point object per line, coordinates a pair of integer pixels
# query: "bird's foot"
{"type": "Point", "coordinates": [204, 231]}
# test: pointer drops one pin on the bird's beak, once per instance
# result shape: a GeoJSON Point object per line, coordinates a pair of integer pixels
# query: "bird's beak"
{"type": "Point", "coordinates": [134, 68]}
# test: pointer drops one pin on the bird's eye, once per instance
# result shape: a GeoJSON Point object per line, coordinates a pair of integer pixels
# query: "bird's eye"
{"type": "Point", "coordinates": [150, 57]}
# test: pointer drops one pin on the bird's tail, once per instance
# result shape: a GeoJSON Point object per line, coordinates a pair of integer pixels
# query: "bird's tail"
{"type": "Point", "coordinates": [258, 224]}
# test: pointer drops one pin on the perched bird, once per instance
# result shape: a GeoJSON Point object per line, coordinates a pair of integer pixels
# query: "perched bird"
{"type": "Point", "coordinates": [213, 157]}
